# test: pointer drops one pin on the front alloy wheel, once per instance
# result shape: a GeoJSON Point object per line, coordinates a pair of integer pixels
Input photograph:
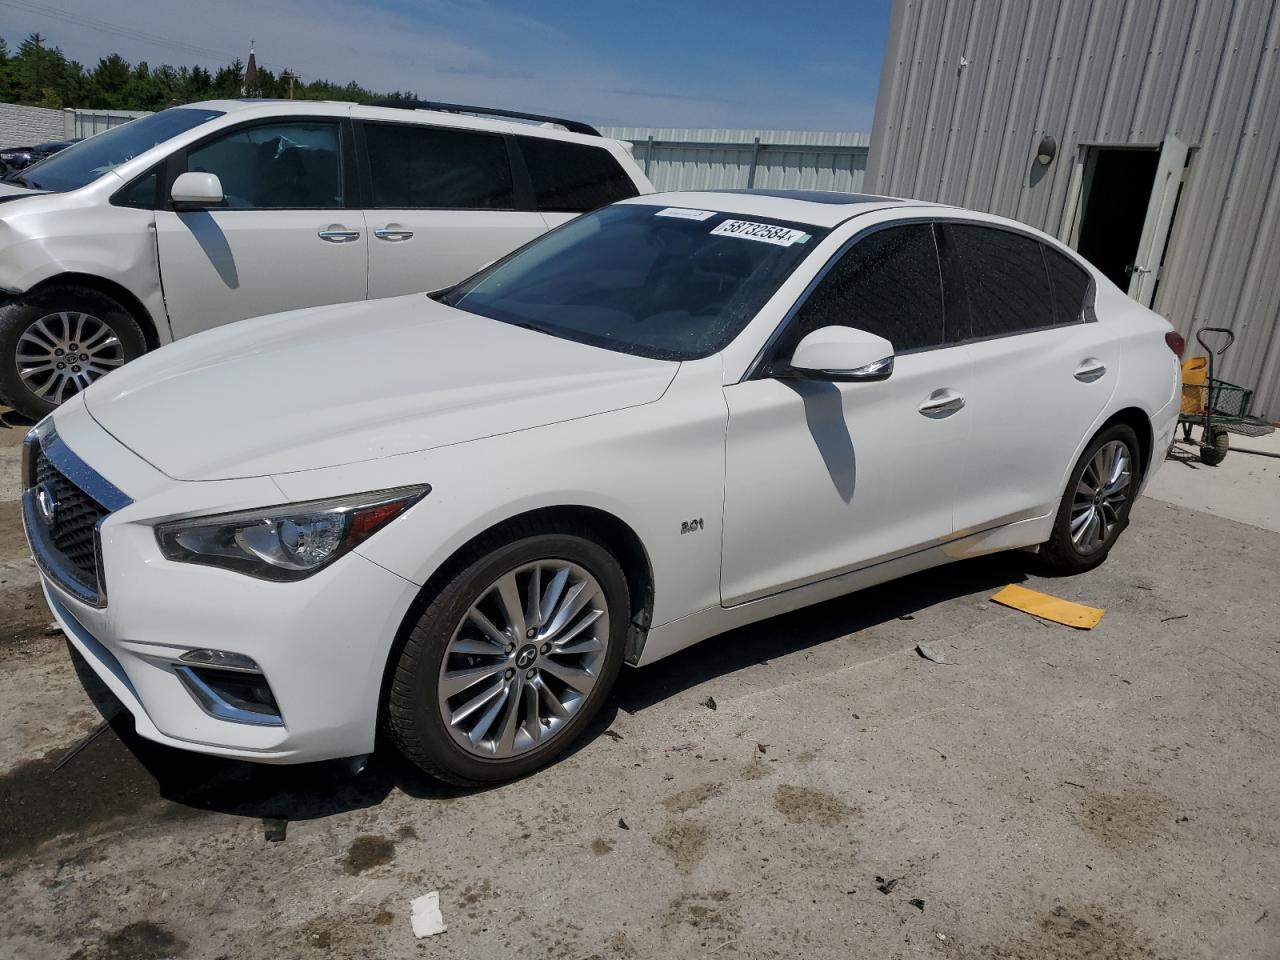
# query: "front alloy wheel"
{"type": "Point", "coordinates": [61, 353]}
{"type": "Point", "coordinates": [513, 653]}
{"type": "Point", "coordinates": [524, 658]}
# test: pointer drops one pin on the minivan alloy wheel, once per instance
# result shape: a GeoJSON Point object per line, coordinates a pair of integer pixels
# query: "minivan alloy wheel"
{"type": "Point", "coordinates": [61, 353]}
{"type": "Point", "coordinates": [523, 659]}
{"type": "Point", "coordinates": [1101, 493]}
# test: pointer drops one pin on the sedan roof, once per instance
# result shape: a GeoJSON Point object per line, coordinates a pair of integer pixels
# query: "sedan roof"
{"type": "Point", "coordinates": [821, 208]}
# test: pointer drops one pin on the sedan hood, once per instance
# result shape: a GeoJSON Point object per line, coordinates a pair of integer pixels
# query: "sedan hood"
{"type": "Point", "coordinates": [352, 382]}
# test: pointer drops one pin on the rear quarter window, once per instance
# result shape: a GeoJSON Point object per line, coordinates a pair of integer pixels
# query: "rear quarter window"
{"type": "Point", "coordinates": [573, 177]}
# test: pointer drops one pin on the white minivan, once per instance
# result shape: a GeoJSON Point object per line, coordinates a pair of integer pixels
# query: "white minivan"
{"type": "Point", "coordinates": [205, 214]}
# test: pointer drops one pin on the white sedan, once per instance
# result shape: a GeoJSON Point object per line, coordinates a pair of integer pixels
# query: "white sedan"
{"type": "Point", "coordinates": [456, 517]}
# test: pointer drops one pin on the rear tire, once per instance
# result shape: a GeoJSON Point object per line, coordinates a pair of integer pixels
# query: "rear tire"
{"type": "Point", "coordinates": [519, 713]}
{"type": "Point", "coordinates": [84, 330]}
{"type": "Point", "coordinates": [1095, 508]}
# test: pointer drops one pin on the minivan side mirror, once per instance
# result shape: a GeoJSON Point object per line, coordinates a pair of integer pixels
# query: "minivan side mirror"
{"type": "Point", "coordinates": [195, 191]}
{"type": "Point", "coordinates": [842, 354]}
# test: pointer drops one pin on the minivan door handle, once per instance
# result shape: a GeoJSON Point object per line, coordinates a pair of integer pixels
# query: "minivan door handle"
{"type": "Point", "coordinates": [337, 233]}
{"type": "Point", "coordinates": [942, 403]}
{"type": "Point", "coordinates": [393, 232]}
{"type": "Point", "coordinates": [1090, 369]}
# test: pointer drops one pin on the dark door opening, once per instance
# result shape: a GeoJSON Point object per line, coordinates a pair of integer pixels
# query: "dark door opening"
{"type": "Point", "coordinates": [1117, 190]}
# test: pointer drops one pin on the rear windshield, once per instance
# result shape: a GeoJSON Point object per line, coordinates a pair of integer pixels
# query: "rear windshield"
{"type": "Point", "coordinates": [667, 283]}
{"type": "Point", "coordinates": [89, 159]}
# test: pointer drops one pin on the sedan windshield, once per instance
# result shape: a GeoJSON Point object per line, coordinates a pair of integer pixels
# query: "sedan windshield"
{"type": "Point", "coordinates": [663, 282]}
{"type": "Point", "coordinates": [87, 160]}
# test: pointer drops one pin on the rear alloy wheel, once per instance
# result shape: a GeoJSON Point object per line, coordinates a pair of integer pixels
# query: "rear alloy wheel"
{"type": "Point", "coordinates": [511, 659]}
{"type": "Point", "coordinates": [1095, 509]}
{"type": "Point", "coordinates": [58, 341]}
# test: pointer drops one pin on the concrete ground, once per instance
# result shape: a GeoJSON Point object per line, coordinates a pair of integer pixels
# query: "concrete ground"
{"type": "Point", "coordinates": [1053, 793]}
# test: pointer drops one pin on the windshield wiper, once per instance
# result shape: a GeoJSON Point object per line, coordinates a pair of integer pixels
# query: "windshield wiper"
{"type": "Point", "coordinates": [19, 180]}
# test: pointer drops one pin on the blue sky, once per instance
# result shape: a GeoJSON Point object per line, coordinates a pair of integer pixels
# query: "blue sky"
{"type": "Point", "coordinates": [698, 63]}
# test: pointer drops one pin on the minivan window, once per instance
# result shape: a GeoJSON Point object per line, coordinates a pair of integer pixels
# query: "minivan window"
{"type": "Point", "coordinates": [435, 168]}
{"type": "Point", "coordinates": [639, 279]}
{"type": "Point", "coordinates": [1070, 285]}
{"type": "Point", "coordinates": [289, 165]}
{"type": "Point", "coordinates": [573, 178]}
{"type": "Point", "coordinates": [1005, 280]}
{"type": "Point", "coordinates": [888, 283]}
{"type": "Point", "coordinates": [86, 161]}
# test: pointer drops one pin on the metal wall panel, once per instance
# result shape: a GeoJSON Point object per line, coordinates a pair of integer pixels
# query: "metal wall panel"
{"type": "Point", "coordinates": [969, 87]}
{"type": "Point", "coordinates": [712, 159]}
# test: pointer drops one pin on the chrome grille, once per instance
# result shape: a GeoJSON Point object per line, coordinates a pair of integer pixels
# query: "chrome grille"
{"type": "Point", "coordinates": [72, 532]}
{"type": "Point", "coordinates": [63, 505]}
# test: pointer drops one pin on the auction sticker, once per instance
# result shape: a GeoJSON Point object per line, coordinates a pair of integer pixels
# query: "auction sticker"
{"type": "Point", "coordinates": [683, 213]}
{"type": "Point", "coordinates": [764, 232]}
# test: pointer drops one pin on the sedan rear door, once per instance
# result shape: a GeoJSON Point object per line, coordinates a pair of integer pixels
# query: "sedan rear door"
{"type": "Point", "coordinates": [1042, 369]}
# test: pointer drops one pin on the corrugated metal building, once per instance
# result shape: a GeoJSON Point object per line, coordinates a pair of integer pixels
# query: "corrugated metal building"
{"type": "Point", "coordinates": [711, 159]}
{"type": "Point", "coordinates": [1165, 155]}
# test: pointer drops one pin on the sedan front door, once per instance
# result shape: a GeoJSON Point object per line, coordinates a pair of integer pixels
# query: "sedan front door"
{"type": "Point", "coordinates": [285, 237]}
{"type": "Point", "coordinates": [822, 478]}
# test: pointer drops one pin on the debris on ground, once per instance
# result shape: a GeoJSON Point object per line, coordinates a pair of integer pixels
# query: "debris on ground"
{"type": "Point", "coordinates": [679, 748]}
{"type": "Point", "coordinates": [932, 651]}
{"type": "Point", "coordinates": [709, 703]}
{"type": "Point", "coordinates": [886, 886]}
{"type": "Point", "coordinates": [84, 742]}
{"type": "Point", "coordinates": [274, 828]}
{"type": "Point", "coordinates": [917, 903]}
{"type": "Point", "coordinates": [53, 629]}
{"type": "Point", "coordinates": [1047, 607]}
{"type": "Point", "coordinates": [613, 734]}
{"type": "Point", "coordinates": [906, 616]}
{"type": "Point", "coordinates": [1180, 616]}
{"type": "Point", "coordinates": [426, 918]}
{"type": "Point", "coordinates": [622, 824]}
{"type": "Point", "coordinates": [762, 747]}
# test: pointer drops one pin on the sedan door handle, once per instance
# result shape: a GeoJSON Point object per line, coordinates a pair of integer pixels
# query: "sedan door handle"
{"type": "Point", "coordinates": [394, 233]}
{"type": "Point", "coordinates": [941, 404]}
{"type": "Point", "coordinates": [1090, 370]}
{"type": "Point", "coordinates": [337, 233]}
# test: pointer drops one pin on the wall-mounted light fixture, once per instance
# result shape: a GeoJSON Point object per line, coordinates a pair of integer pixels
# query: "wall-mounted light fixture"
{"type": "Point", "coordinates": [1047, 150]}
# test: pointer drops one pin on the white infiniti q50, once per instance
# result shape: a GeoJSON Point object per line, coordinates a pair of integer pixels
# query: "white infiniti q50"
{"type": "Point", "coordinates": [456, 517]}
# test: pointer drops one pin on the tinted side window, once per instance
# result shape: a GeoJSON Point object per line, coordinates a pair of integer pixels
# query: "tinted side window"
{"type": "Point", "coordinates": [281, 166]}
{"type": "Point", "coordinates": [141, 193]}
{"type": "Point", "coordinates": [1006, 281]}
{"type": "Point", "coordinates": [572, 178]}
{"type": "Point", "coordinates": [1070, 285]}
{"type": "Point", "coordinates": [432, 167]}
{"type": "Point", "coordinates": [887, 284]}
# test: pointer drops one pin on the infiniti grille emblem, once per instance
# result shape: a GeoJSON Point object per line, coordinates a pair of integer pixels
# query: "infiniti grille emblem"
{"type": "Point", "coordinates": [47, 504]}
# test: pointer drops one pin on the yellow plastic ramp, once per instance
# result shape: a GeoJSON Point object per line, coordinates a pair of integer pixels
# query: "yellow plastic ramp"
{"type": "Point", "coordinates": [1049, 608]}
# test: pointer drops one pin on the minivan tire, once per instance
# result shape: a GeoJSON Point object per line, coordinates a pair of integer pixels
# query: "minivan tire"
{"type": "Point", "coordinates": [52, 303]}
{"type": "Point", "coordinates": [1060, 554]}
{"type": "Point", "coordinates": [414, 707]}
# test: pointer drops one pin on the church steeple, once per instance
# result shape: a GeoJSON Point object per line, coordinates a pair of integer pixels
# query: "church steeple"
{"type": "Point", "coordinates": [249, 88]}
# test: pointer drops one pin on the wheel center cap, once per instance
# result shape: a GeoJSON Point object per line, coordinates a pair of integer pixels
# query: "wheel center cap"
{"type": "Point", "coordinates": [526, 656]}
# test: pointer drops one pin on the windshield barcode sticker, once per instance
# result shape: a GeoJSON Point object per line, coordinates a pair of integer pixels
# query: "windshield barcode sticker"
{"type": "Point", "coordinates": [684, 213]}
{"type": "Point", "coordinates": [764, 232]}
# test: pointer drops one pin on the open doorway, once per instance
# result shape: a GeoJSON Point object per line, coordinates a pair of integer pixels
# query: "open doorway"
{"type": "Point", "coordinates": [1117, 188]}
{"type": "Point", "coordinates": [1129, 199]}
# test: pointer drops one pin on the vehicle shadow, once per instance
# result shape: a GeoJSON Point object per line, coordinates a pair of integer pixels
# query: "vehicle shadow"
{"type": "Point", "coordinates": [122, 764]}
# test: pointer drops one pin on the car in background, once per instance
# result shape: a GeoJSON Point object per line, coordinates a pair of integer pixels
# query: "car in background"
{"type": "Point", "coordinates": [202, 215]}
{"type": "Point", "coordinates": [13, 159]}
{"type": "Point", "coordinates": [455, 517]}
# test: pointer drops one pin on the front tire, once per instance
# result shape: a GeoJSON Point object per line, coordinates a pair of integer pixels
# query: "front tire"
{"type": "Point", "coordinates": [512, 658]}
{"type": "Point", "coordinates": [57, 341]}
{"type": "Point", "coordinates": [1095, 509]}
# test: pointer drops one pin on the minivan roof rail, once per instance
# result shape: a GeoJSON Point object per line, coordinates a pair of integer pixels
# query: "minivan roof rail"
{"type": "Point", "coordinates": [573, 126]}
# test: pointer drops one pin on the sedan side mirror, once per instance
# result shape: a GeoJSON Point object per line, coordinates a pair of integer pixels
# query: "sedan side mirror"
{"type": "Point", "coordinates": [842, 354]}
{"type": "Point", "coordinates": [195, 191]}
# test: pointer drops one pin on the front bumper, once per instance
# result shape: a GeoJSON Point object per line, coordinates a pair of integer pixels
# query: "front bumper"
{"type": "Point", "coordinates": [322, 643]}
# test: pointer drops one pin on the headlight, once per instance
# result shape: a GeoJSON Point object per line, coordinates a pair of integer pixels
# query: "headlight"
{"type": "Point", "coordinates": [287, 542]}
